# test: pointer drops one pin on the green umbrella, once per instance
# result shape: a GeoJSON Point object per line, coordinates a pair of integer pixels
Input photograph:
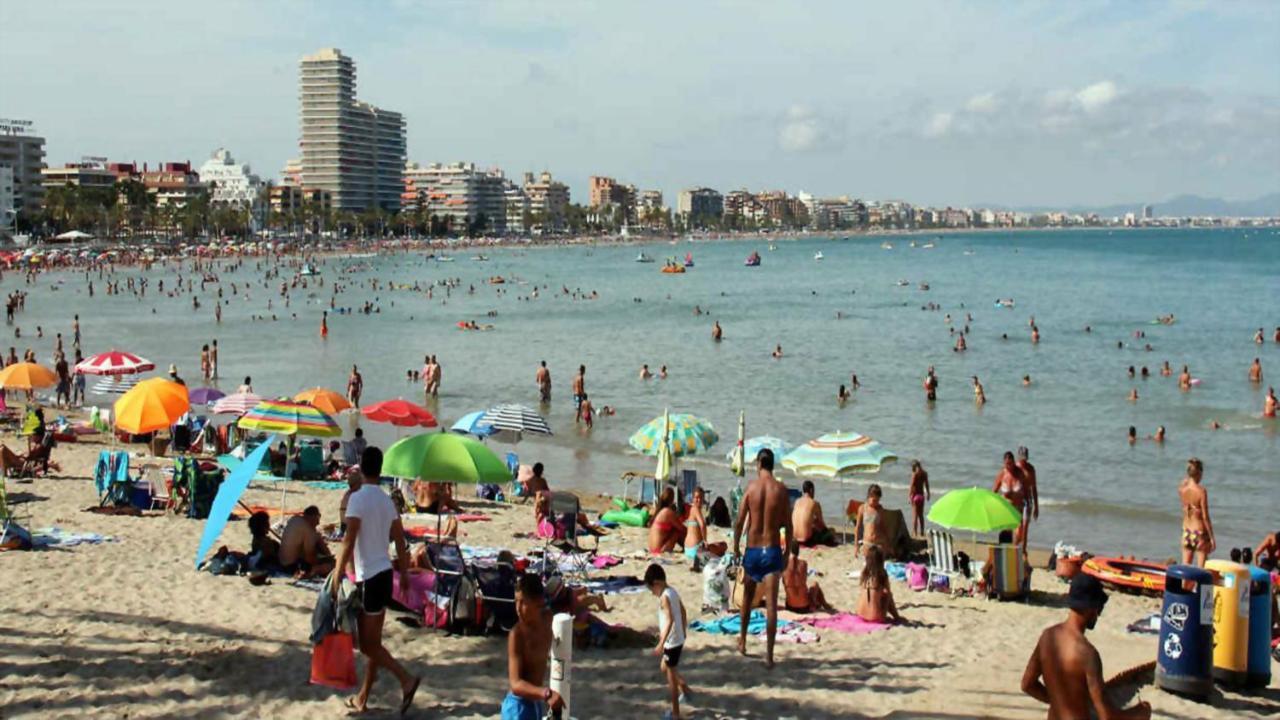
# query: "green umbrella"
{"type": "Point", "coordinates": [976, 509]}
{"type": "Point", "coordinates": [444, 458]}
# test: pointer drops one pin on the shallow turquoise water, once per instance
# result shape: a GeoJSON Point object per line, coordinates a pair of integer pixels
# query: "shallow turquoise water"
{"type": "Point", "coordinates": [1097, 491]}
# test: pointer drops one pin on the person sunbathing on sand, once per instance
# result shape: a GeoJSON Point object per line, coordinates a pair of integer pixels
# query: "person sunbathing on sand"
{"type": "Point", "coordinates": [875, 596]}
{"type": "Point", "coordinates": [807, 521]}
{"type": "Point", "coordinates": [664, 531]}
{"type": "Point", "coordinates": [1065, 670]}
{"type": "Point", "coordinates": [802, 596]}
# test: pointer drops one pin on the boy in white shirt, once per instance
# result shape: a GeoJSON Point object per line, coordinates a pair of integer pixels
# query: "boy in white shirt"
{"type": "Point", "coordinates": [672, 626]}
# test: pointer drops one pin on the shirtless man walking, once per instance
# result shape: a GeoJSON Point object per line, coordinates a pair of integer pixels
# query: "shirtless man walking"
{"type": "Point", "coordinates": [765, 509]}
{"type": "Point", "coordinates": [543, 378]}
{"type": "Point", "coordinates": [528, 648]}
{"type": "Point", "coordinates": [1065, 669]}
{"type": "Point", "coordinates": [1197, 529]}
{"type": "Point", "coordinates": [1011, 482]}
{"type": "Point", "coordinates": [1031, 509]}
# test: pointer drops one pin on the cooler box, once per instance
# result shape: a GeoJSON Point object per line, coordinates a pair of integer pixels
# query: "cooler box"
{"type": "Point", "coordinates": [1258, 672]}
{"type": "Point", "coordinates": [1184, 655]}
{"type": "Point", "coordinates": [1230, 621]}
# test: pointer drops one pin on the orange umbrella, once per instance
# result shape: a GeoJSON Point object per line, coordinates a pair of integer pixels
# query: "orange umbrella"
{"type": "Point", "coordinates": [323, 399]}
{"type": "Point", "coordinates": [27, 376]}
{"type": "Point", "coordinates": [151, 405]}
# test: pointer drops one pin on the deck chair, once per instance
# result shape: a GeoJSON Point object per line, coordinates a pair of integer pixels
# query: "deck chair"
{"type": "Point", "coordinates": [111, 478]}
{"type": "Point", "coordinates": [157, 486]}
{"type": "Point", "coordinates": [565, 508]}
{"type": "Point", "coordinates": [1009, 577]}
{"type": "Point", "coordinates": [942, 561]}
{"type": "Point", "coordinates": [310, 462]}
{"type": "Point", "coordinates": [646, 487]}
{"type": "Point", "coordinates": [12, 535]}
{"type": "Point", "coordinates": [688, 483]}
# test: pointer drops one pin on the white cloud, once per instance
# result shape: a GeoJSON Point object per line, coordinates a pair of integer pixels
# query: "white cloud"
{"type": "Point", "coordinates": [803, 130]}
{"type": "Point", "coordinates": [984, 103]}
{"type": "Point", "coordinates": [1096, 96]}
{"type": "Point", "coordinates": [939, 124]}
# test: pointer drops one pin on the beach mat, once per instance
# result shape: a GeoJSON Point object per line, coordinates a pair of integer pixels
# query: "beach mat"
{"type": "Point", "coordinates": [731, 624]}
{"type": "Point", "coordinates": [844, 622]}
{"type": "Point", "coordinates": [240, 512]}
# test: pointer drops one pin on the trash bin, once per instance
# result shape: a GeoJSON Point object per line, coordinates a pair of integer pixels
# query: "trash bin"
{"type": "Point", "coordinates": [1184, 655]}
{"type": "Point", "coordinates": [1230, 621]}
{"type": "Point", "coordinates": [1258, 673]}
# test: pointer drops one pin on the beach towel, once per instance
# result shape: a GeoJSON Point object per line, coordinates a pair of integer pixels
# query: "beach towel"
{"type": "Point", "coordinates": [795, 634]}
{"type": "Point", "coordinates": [731, 624]}
{"type": "Point", "coordinates": [473, 517]}
{"type": "Point", "coordinates": [605, 561]}
{"type": "Point", "coordinates": [844, 622]}
{"type": "Point", "coordinates": [421, 585]}
{"type": "Point", "coordinates": [57, 537]}
{"type": "Point", "coordinates": [326, 484]}
{"type": "Point", "coordinates": [422, 532]}
{"type": "Point", "coordinates": [896, 571]}
{"type": "Point", "coordinates": [614, 585]}
{"type": "Point", "coordinates": [241, 512]}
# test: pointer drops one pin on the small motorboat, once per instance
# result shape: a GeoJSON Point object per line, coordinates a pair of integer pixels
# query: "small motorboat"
{"type": "Point", "coordinates": [924, 286]}
{"type": "Point", "coordinates": [772, 247]}
{"type": "Point", "coordinates": [642, 258]}
{"type": "Point", "coordinates": [688, 259]}
{"type": "Point", "coordinates": [443, 258]}
{"type": "Point", "coordinates": [818, 255]}
{"type": "Point", "coordinates": [928, 246]}
{"type": "Point", "coordinates": [753, 260]}
{"type": "Point", "coordinates": [480, 258]}
{"type": "Point", "coordinates": [902, 283]}
{"type": "Point", "coordinates": [886, 245]}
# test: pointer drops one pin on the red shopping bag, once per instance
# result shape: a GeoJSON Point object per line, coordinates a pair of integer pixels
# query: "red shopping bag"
{"type": "Point", "coordinates": [333, 662]}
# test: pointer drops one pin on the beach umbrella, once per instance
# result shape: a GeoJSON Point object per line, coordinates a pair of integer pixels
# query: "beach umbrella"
{"type": "Point", "coordinates": [444, 458]}
{"type": "Point", "coordinates": [205, 395]}
{"type": "Point", "coordinates": [737, 455]}
{"type": "Point", "coordinates": [229, 493]}
{"type": "Point", "coordinates": [114, 362]}
{"type": "Point", "coordinates": [838, 455]}
{"type": "Point", "coordinates": [289, 418]}
{"type": "Point", "coordinates": [473, 424]}
{"type": "Point", "coordinates": [27, 376]}
{"type": "Point", "coordinates": [151, 405]}
{"type": "Point", "coordinates": [687, 435]}
{"type": "Point", "coordinates": [323, 399]}
{"type": "Point", "coordinates": [665, 462]}
{"type": "Point", "coordinates": [752, 447]}
{"type": "Point", "coordinates": [114, 385]}
{"type": "Point", "coordinates": [236, 404]}
{"type": "Point", "coordinates": [515, 419]}
{"type": "Point", "coordinates": [975, 509]}
{"type": "Point", "coordinates": [399, 412]}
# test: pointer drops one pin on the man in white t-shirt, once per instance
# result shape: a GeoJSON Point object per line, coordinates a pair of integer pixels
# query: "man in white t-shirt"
{"type": "Point", "coordinates": [372, 524]}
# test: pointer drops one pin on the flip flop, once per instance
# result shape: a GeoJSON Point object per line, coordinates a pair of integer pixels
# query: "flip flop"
{"type": "Point", "coordinates": [354, 711]}
{"type": "Point", "coordinates": [408, 697]}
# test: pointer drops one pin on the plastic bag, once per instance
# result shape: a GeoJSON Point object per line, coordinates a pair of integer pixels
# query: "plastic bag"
{"type": "Point", "coordinates": [333, 662]}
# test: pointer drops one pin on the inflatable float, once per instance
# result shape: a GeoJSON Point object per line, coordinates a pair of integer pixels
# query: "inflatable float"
{"type": "Point", "coordinates": [673, 269]}
{"type": "Point", "coordinates": [1127, 574]}
{"type": "Point", "coordinates": [635, 517]}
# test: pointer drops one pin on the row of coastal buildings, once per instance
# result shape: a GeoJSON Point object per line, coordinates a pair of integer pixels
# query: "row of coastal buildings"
{"type": "Point", "coordinates": [353, 158]}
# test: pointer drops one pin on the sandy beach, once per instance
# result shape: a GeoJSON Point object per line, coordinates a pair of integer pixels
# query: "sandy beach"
{"type": "Point", "coordinates": [128, 628]}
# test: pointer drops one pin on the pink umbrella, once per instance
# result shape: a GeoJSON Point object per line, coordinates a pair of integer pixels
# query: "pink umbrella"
{"type": "Point", "coordinates": [114, 362]}
{"type": "Point", "coordinates": [237, 404]}
{"type": "Point", "coordinates": [400, 413]}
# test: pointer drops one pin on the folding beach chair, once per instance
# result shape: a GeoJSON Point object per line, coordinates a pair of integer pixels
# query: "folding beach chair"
{"type": "Point", "coordinates": [646, 487]}
{"type": "Point", "coordinates": [565, 508]}
{"type": "Point", "coordinates": [310, 462]}
{"type": "Point", "coordinates": [157, 486]}
{"type": "Point", "coordinates": [12, 535]}
{"type": "Point", "coordinates": [111, 478]}
{"type": "Point", "coordinates": [688, 483]}
{"type": "Point", "coordinates": [1009, 577]}
{"type": "Point", "coordinates": [942, 561]}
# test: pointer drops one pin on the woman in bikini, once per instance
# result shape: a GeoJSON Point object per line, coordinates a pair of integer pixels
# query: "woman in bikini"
{"type": "Point", "coordinates": [868, 526]}
{"type": "Point", "coordinates": [918, 495]}
{"type": "Point", "coordinates": [1197, 529]}
{"type": "Point", "coordinates": [695, 535]}
{"type": "Point", "coordinates": [664, 532]}
{"type": "Point", "coordinates": [802, 596]}
{"type": "Point", "coordinates": [875, 597]}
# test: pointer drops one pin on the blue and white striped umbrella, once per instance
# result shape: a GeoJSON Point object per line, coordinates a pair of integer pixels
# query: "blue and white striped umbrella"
{"type": "Point", "coordinates": [516, 419]}
{"type": "Point", "coordinates": [472, 424]}
{"type": "Point", "coordinates": [753, 446]}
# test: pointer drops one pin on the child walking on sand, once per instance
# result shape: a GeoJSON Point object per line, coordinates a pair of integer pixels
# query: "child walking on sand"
{"type": "Point", "coordinates": [672, 626]}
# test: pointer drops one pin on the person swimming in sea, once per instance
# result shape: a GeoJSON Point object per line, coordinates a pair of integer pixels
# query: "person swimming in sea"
{"type": "Point", "coordinates": [1133, 435]}
{"type": "Point", "coordinates": [777, 352]}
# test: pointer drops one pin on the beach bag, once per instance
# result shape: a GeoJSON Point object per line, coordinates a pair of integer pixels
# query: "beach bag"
{"type": "Point", "coordinates": [917, 576]}
{"type": "Point", "coordinates": [715, 584]}
{"type": "Point", "coordinates": [333, 662]}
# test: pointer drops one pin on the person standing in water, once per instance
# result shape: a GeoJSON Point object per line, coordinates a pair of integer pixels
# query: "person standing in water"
{"type": "Point", "coordinates": [579, 391]}
{"type": "Point", "coordinates": [355, 386]}
{"type": "Point", "coordinates": [324, 325]}
{"type": "Point", "coordinates": [716, 333]}
{"type": "Point", "coordinates": [979, 394]}
{"type": "Point", "coordinates": [930, 385]}
{"type": "Point", "coordinates": [1031, 510]}
{"type": "Point", "coordinates": [1255, 371]}
{"type": "Point", "coordinates": [543, 378]}
{"type": "Point", "coordinates": [1011, 482]}
{"type": "Point", "coordinates": [1197, 529]}
{"type": "Point", "coordinates": [1269, 404]}
{"type": "Point", "coordinates": [765, 510]}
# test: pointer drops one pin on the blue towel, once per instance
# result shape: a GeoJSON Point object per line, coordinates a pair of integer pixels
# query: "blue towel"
{"type": "Point", "coordinates": [896, 570]}
{"type": "Point", "coordinates": [326, 484]}
{"type": "Point", "coordinates": [730, 624]}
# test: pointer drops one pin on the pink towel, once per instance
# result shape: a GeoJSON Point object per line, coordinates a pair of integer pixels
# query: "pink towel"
{"type": "Point", "coordinates": [844, 622]}
{"type": "Point", "coordinates": [606, 561]}
{"type": "Point", "coordinates": [421, 584]}
{"type": "Point", "coordinates": [473, 517]}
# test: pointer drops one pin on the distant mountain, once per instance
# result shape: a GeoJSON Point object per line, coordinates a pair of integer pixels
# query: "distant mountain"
{"type": "Point", "coordinates": [1180, 206]}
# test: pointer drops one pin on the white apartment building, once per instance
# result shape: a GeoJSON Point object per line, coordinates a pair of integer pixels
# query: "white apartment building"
{"type": "Point", "coordinates": [353, 150]}
{"type": "Point", "coordinates": [548, 199]}
{"type": "Point", "coordinates": [230, 182]}
{"type": "Point", "coordinates": [23, 153]}
{"type": "Point", "coordinates": [7, 211]}
{"type": "Point", "coordinates": [459, 191]}
{"type": "Point", "coordinates": [81, 174]}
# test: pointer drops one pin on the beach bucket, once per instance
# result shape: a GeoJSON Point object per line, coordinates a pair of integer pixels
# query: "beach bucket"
{"type": "Point", "coordinates": [1230, 622]}
{"type": "Point", "coordinates": [1184, 654]}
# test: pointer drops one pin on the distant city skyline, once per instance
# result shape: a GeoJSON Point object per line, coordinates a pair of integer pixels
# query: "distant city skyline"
{"type": "Point", "coordinates": [935, 103]}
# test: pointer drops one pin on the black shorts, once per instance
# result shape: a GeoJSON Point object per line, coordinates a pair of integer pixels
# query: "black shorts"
{"type": "Point", "coordinates": [672, 655]}
{"type": "Point", "coordinates": [375, 593]}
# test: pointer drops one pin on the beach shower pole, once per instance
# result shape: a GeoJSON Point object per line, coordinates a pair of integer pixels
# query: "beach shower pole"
{"type": "Point", "coordinates": [562, 659]}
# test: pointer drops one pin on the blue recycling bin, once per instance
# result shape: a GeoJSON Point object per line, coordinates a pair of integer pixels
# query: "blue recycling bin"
{"type": "Point", "coordinates": [1258, 673]}
{"type": "Point", "coordinates": [1184, 656]}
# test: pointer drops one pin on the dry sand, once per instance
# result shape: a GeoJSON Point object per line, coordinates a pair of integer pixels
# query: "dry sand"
{"type": "Point", "coordinates": [130, 629]}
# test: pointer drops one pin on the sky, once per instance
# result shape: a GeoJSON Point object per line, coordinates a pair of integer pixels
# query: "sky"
{"type": "Point", "coordinates": [943, 103]}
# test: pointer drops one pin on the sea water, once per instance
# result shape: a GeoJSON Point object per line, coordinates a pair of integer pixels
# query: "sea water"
{"type": "Point", "coordinates": [842, 315]}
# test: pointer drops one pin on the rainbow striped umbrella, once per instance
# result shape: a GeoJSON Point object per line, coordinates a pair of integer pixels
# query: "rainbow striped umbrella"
{"type": "Point", "coordinates": [687, 434]}
{"type": "Point", "coordinates": [289, 418]}
{"type": "Point", "coordinates": [837, 455]}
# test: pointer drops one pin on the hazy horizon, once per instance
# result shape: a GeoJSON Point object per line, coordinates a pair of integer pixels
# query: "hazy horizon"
{"type": "Point", "coordinates": [1086, 104]}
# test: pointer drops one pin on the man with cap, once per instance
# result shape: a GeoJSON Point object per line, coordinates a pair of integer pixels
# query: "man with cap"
{"type": "Point", "coordinates": [1065, 670]}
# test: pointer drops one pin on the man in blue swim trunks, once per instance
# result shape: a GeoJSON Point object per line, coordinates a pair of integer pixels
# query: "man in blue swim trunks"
{"type": "Point", "coordinates": [765, 509]}
{"type": "Point", "coordinates": [528, 648]}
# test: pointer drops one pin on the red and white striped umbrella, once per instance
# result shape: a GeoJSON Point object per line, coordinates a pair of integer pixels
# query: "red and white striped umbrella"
{"type": "Point", "coordinates": [237, 404]}
{"type": "Point", "coordinates": [114, 362]}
